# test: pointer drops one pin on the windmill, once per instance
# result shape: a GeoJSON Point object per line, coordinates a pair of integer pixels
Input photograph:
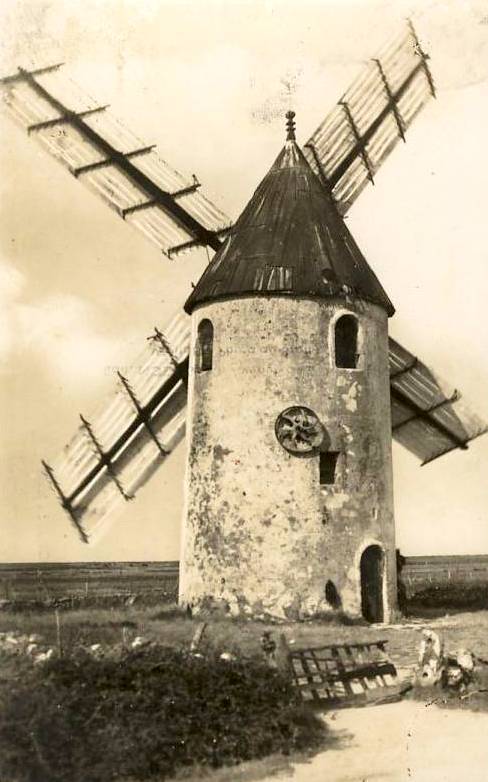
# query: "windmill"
{"type": "Point", "coordinates": [116, 451]}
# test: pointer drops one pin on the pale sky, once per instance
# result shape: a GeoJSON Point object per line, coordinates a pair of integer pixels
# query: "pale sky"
{"type": "Point", "coordinates": [209, 83]}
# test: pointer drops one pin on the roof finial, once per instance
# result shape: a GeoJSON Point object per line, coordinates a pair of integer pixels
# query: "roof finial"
{"type": "Point", "coordinates": [290, 126]}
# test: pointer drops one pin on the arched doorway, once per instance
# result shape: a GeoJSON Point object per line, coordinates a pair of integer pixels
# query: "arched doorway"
{"type": "Point", "coordinates": [372, 583]}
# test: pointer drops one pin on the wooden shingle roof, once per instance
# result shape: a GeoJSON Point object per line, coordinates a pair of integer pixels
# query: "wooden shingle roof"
{"type": "Point", "coordinates": [289, 240]}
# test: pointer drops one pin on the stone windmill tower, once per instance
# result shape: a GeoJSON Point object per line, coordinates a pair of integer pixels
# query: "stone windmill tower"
{"type": "Point", "coordinates": [289, 473]}
{"type": "Point", "coordinates": [295, 390]}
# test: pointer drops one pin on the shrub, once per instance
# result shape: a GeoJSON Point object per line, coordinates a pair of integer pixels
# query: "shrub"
{"type": "Point", "coordinates": [146, 715]}
{"type": "Point", "coordinates": [456, 596]}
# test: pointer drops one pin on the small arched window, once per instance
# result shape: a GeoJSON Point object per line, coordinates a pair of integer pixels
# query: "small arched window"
{"type": "Point", "coordinates": [346, 342]}
{"type": "Point", "coordinates": [205, 346]}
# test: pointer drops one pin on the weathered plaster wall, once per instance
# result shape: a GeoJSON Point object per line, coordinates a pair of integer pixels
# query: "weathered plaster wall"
{"type": "Point", "coordinates": [259, 531]}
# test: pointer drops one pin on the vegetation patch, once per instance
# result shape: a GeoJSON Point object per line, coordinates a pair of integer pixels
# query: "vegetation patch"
{"type": "Point", "coordinates": [146, 714]}
{"type": "Point", "coordinates": [475, 699]}
{"type": "Point", "coordinates": [457, 596]}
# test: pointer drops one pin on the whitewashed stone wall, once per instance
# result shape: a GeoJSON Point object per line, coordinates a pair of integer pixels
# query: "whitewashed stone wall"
{"type": "Point", "coordinates": [259, 531]}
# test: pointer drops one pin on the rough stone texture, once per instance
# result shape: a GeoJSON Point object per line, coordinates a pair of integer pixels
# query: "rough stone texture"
{"type": "Point", "coordinates": [260, 533]}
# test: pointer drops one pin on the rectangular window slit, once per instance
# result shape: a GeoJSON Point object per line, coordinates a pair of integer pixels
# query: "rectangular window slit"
{"type": "Point", "coordinates": [328, 463]}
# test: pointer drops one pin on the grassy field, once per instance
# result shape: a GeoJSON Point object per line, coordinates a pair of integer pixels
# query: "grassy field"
{"type": "Point", "coordinates": [88, 581]}
{"type": "Point", "coordinates": [167, 625]}
{"type": "Point", "coordinates": [426, 581]}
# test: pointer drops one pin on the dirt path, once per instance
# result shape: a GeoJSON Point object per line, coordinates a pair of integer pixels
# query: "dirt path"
{"type": "Point", "coordinates": [402, 741]}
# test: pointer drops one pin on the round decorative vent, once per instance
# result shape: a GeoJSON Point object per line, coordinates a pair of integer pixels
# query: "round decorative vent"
{"type": "Point", "coordinates": [298, 430]}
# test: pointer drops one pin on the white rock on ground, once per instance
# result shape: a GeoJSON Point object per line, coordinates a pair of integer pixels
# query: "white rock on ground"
{"type": "Point", "coordinates": [43, 657]}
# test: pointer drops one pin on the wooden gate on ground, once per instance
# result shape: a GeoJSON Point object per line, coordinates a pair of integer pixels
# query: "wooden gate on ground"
{"type": "Point", "coordinates": [345, 675]}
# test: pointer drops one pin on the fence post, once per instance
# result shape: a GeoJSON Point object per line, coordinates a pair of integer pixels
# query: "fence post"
{"type": "Point", "coordinates": [283, 655]}
{"type": "Point", "coordinates": [58, 633]}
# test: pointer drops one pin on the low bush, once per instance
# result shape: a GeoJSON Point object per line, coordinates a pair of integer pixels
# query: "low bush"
{"type": "Point", "coordinates": [146, 715]}
{"type": "Point", "coordinates": [457, 596]}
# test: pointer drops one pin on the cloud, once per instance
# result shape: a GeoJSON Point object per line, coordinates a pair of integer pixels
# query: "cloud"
{"type": "Point", "coordinates": [11, 284]}
{"type": "Point", "coordinates": [58, 330]}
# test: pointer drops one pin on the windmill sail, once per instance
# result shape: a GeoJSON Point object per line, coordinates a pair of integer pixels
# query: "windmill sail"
{"type": "Point", "coordinates": [110, 160]}
{"type": "Point", "coordinates": [114, 455]}
{"type": "Point", "coordinates": [429, 417]}
{"type": "Point", "coordinates": [117, 450]}
{"type": "Point", "coordinates": [350, 145]}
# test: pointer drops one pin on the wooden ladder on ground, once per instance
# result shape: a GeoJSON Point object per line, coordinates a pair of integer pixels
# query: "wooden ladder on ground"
{"type": "Point", "coordinates": [345, 675]}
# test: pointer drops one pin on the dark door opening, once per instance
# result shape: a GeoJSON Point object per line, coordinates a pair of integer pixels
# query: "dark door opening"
{"type": "Point", "coordinates": [372, 584]}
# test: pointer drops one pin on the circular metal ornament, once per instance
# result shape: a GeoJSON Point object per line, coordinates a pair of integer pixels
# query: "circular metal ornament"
{"type": "Point", "coordinates": [298, 430]}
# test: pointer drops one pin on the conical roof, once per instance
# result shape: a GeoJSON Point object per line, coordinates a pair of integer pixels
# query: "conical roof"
{"type": "Point", "coordinates": [289, 240]}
